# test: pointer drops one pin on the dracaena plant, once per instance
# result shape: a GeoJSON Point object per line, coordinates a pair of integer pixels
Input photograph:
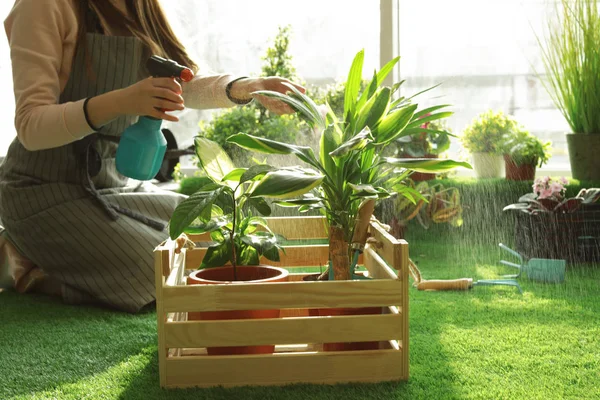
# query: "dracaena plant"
{"type": "Point", "coordinates": [226, 206]}
{"type": "Point", "coordinates": [350, 154]}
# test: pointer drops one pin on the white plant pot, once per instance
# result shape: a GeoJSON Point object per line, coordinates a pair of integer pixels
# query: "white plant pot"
{"type": "Point", "coordinates": [488, 165]}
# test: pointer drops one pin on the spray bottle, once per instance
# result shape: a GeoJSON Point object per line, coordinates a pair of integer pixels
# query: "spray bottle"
{"type": "Point", "coordinates": [142, 146]}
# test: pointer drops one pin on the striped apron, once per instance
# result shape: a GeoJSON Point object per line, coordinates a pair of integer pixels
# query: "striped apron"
{"type": "Point", "coordinates": [68, 209]}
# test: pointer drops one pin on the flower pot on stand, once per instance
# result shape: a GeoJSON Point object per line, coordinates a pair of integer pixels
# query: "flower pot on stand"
{"type": "Point", "coordinates": [488, 165]}
{"type": "Point", "coordinates": [245, 274]}
{"type": "Point", "coordinates": [583, 155]}
{"type": "Point", "coordinates": [518, 172]}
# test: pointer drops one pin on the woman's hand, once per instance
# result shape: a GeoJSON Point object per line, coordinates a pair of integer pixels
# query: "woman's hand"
{"type": "Point", "coordinates": [152, 97]}
{"type": "Point", "coordinates": [245, 90]}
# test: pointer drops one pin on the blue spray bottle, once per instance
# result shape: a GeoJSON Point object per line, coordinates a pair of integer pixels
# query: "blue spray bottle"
{"type": "Point", "coordinates": [142, 146]}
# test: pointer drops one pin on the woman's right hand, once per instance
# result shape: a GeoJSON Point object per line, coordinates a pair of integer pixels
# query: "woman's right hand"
{"type": "Point", "coordinates": [152, 97]}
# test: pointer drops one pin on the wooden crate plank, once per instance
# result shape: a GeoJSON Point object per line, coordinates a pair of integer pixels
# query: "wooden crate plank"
{"type": "Point", "coordinates": [362, 328]}
{"type": "Point", "coordinates": [264, 296]}
{"type": "Point", "coordinates": [327, 368]}
{"type": "Point", "coordinates": [299, 256]}
{"type": "Point", "coordinates": [161, 256]}
{"type": "Point", "coordinates": [298, 228]}
{"type": "Point", "coordinates": [393, 251]}
{"type": "Point", "coordinates": [377, 267]}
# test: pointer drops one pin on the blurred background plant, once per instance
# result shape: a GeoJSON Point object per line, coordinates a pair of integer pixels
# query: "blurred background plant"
{"type": "Point", "coordinates": [438, 205]}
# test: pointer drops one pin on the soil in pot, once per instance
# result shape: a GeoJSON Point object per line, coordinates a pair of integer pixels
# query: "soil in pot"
{"type": "Point", "coordinates": [516, 172]}
{"type": "Point", "coordinates": [245, 274]}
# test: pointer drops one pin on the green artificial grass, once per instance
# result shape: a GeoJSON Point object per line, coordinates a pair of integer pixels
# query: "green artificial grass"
{"type": "Point", "coordinates": [489, 342]}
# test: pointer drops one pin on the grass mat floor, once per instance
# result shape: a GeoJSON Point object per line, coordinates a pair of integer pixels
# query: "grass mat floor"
{"type": "Point", "coordinates": [487, 343]}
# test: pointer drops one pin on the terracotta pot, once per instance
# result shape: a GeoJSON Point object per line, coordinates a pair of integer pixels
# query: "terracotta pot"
{"type": "Point", "coordinates": [348, 346]}
{"type": "Point", "coordinates": [224, 276]}
{"type": "Point", "coordinates": [515, 172]}
{"type": "Point", "coordinates": [421, 176]}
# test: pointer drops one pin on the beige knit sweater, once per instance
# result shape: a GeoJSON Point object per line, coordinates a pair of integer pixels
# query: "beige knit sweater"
{"type": "Point", "coordinates": [42, 36]}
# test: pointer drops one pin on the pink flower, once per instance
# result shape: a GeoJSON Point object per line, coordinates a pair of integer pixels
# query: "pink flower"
{"type": "Point", "coordinates": [556, 188]}
{"type": "Point", "coordinates": [563, 180]}
{"type": "Point", "coordinates": [545, 194]}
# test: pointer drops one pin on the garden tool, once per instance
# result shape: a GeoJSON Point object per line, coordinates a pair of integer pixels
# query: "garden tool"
{"type": "Point", "coordinates": [537, 269]}
{"type": "Point", "coordinates": [142, 146]}
{"type": "Point", "coordinates": [455, 284]}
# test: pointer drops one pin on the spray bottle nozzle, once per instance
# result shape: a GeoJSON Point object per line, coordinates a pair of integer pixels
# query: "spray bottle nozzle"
{"type": "Point", "coordinates": [164, 68]}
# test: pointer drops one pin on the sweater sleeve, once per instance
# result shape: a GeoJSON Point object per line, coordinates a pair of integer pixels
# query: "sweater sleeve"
{"type": "Point", "coordinates": [206, 92]}
{"type": "Point", "coordinates": [41, 34]}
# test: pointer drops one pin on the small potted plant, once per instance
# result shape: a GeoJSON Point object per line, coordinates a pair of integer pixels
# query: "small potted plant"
{"type": "Point", "coordinates": [483, 138]}
{"type": "Point", "coordinates": [551, 225]}
{"type": "Point", "coordinates": [432, 140]}
{"type": "Point", "coordinates": [226, 209]}
{"type": "Point", "coordinates": [523, 152]}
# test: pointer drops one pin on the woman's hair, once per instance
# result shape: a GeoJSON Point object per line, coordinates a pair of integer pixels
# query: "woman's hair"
{"type": "Point", "coordinates": [146, 21]}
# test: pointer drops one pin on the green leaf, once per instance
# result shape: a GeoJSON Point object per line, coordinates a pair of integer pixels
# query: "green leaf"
{"type": "Point", "coordinates": [189, 209]}
{"type": "Point", "coordinates": [286, 183]}
{"type": "Point", "coordinates": [256, 171]}
{"type": "Point", "coordinates": [312, 117]}
{"type": "Point", "coordinates": [358, 142]}
{"type": "Point", "coordinates": [267, 146]}
{"type": "Point", "coordinates": [369, 191]}
{"type": "Point", "coordinates": [431, 165]}
{"type": "Point", "coordinates": [330, 140]}
{"type": "Point", "coordinates": [260, 205]}
{"type": "Point", "coordinates": [234, 175]}
{"type": "Point", "coordinates": [213, 159]}
{"type": "Point", "coordinates": [306, 200]}
{"type": "Point", "coordinates": [308, 102]}
{"type": "Point", "coordinates": [370, 114]}
{"type": "Point", "coordinates": [217, 254]}
{"type": "Point", "coordinates": [353, 84]}
{"type": "Point", "coordinates": [247, 255]}
{"type": "Point", "coordinates": [392, 125]}
{"type": "Point", "coordinates": [418, 122]}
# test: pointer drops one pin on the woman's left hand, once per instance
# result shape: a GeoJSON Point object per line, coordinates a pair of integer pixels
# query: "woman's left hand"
{"type": "Point", "coordinates": [246, 88]}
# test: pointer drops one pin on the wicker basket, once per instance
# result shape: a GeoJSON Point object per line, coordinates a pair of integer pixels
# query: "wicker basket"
{"type": "Point", "coordinates": [574, 237]}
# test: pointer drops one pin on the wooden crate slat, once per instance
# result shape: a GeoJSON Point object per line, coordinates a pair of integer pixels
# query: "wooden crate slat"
{"type": "Point", "coordinates": [393, 251]}
{"type": "Point", "coordinates": [361, 328]}
{"type": "Point", "coordinates": [265, 296]}
{"type": "Point", "coordinates": [282, 369]}
{"type": "Point", "coordinates": [377, 267]}
{"type": "Point", "coordinates": [295, 256]}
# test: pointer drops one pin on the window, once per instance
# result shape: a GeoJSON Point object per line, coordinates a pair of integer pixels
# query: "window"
{"type": "Point", "coordinates": [231, 36]}
{"type": "Point", "coordinates": [484, 54]}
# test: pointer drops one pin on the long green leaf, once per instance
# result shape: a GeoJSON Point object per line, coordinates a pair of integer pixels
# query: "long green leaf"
{"type": "Point", "coordinates": [370, 114]}
{"type": "Point", "coordinates": [311, 117]}
{"type": "Point", "coordinates": [392, 125]}
{"type": "Point", "coordinates": [285, 184]}
{"type": "Point", "coordinates": [234, 175]}
{"type": "Point", "coordinates": [255, 172]}
{"type": "Point", "coordinates": [426, 164]}
{"type": "Point", "coordinates": [268, 146]}
{"type": "Point", "coordinates": [353, 84]}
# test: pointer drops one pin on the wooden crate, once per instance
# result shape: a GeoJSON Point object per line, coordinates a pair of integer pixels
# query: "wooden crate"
{"type": "Point", "coordinates": [183, 361]}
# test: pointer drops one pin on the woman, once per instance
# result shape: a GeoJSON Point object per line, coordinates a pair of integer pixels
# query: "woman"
{"type": "Point", "coordinates": [79, 81]}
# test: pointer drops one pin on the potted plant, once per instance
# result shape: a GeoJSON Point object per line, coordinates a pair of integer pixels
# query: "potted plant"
{"type": "Point", "coordinates": [225, 207]}
{"type": "Point", "coordinates": [432, 140]}
{"type": "Point", "coordinates": [523, 152]}
{"type": "Point", "coordinates": [351, 159]}
{"type": "Point", "coordinates": [483, 138]}
{"type": "Point", "coordinates": [572, 66]}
